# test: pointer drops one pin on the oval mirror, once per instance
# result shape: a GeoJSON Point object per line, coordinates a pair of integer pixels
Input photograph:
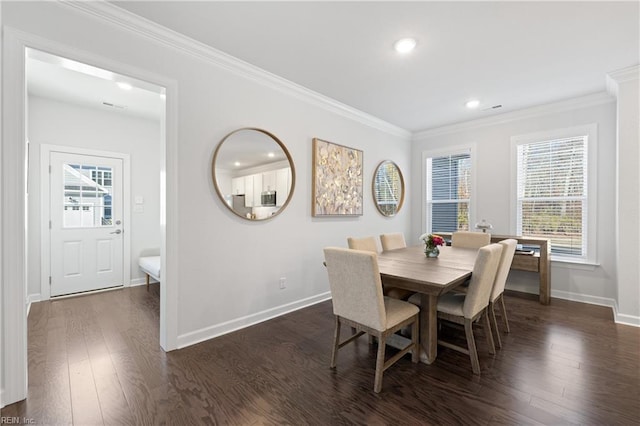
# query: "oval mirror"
{"type": "Point", "coordinates": [388, 188]}
{"type": "Point", "coordinates": [253, 173]}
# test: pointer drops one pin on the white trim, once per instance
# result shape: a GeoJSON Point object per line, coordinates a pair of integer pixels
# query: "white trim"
{"type": "Point", "coordinates": [522, 114]}
{"type": "Point", "coordinates": [583, 298]}
{"type": "Point", "coordinates": [625, 319]}
{"type": "Point", "coordinates": [625, 74]}
{"type": "Point", "coordinates": [31, 299]}
{"type": "Point", "coordinates": [140, 281]}
{"type": "Point", "coordinates": [12, 175]}
{"type": "Point", "coordinates": [13, 242]}
{"type": "Point", "coordinates": [590, 300]}
{"type": "Point", "coordinates": [601, 301]}
{"type": "Point", "coordinates": [217, 330]}
{"type": "Point", "coordinates": [615, 78]}
{"type": "Point", "coordinates": [45, 246]}
{"type": "Point", "coordinates": [177, 41]}
{"type": "Point", "coordinates": [458, 149]}
{"type": "Point", "coordinates": [2, 364]}
{"type": "Point", "coordinates": [591, 131]}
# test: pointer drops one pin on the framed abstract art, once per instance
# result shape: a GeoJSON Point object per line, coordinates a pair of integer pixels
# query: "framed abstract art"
{"type": "Point", "coordinates": [337, 180]}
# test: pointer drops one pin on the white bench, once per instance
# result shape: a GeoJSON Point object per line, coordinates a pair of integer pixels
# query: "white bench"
{"type": "Point", "coordinates": [150, 265]}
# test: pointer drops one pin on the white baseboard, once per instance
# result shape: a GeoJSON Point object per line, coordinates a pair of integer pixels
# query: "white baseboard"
{"type": "Point", "coordinates": [207, 333]}
{"type": "Point", "coordinates": [584, 298]}
{"type": "Point", "coordinates": [625, 319]}
{"type": "Point", "coordinates": [141, 281]}
{"type": "Point", "coordinates": [32, 298]}
{"type": "Point", "coordinates": [601, 301]}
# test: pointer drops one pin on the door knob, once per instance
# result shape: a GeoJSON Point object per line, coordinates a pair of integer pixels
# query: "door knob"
{"type": "Point", "coordinates": [117, 231]}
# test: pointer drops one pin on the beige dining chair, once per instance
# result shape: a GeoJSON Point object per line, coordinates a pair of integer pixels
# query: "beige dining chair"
{"type": "Point", "coordinates": [467, 308]}
{"type": "Point", "coordinates": [358, 302]}
{"type": "Point", "coordinates": [364, 243]}
{"type": "Point", "coordinates": [392, 241]}
{"type": "Point", "coordinates": [497, 293]}
{"type": "Point", "coordinates": [467, 239]}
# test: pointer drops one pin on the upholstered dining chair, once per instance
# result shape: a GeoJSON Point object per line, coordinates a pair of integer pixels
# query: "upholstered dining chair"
{"type": "Point", "coordinates": [497, 293]}
{"type": "Point", "coordinates": [467, 308]}
{"type": "Point", "coordinates": [364, 243]}
{"type": "Point", "coordinates": [392, 241]}
{"type": "Point", "coordinates": [356, 291]}
{"type": "Point", "coordinates": [369, 244]}
{"type": "Point", "coordinates": [467, 239]}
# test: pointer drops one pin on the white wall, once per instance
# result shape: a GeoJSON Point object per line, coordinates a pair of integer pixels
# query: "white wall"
{"type": "Point", "coordinates": [229, 268]}
{"type": "Point", "coordinates": [57, 123]}
{"type": "Point", "coordinates": [593, 284]}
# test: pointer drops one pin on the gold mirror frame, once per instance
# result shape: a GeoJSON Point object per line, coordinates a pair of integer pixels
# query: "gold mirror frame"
{"type": "Point", "coordinates": [399, 181]}
{"type": "Point", "coordinates": [219, 191]}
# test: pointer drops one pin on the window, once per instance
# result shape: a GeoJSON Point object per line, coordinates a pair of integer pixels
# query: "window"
{"type": "Point", "coordinates": [553, 193]}
{"type": "Point", "coordinates": [89, 187]}
{"type": "Point", "coordinates": [448, 197]}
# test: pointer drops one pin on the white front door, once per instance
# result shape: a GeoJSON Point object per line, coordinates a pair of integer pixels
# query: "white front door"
{"type": "Point", "coordinates": [86, 212]}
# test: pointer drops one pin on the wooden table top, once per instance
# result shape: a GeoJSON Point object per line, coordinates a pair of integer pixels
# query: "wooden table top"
{"type": "Point", "coordinates": [409, 268]}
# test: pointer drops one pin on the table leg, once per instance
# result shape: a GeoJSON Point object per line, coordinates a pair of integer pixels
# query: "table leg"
{"type": "Point", "coordinates": [428, 328]}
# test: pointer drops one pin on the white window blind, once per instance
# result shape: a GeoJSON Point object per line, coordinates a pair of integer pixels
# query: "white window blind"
{"type": "Point", "coordinates": [448, 180]}
{"type": "Point", "coordinates": [552, 193]}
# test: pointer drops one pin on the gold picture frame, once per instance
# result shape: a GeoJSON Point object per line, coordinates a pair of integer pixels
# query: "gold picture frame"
{"type": "Point", "coordinates": [337, 182]}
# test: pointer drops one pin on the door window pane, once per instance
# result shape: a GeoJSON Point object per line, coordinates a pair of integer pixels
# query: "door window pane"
{"type": "Point", "coordinates": [87, 196]}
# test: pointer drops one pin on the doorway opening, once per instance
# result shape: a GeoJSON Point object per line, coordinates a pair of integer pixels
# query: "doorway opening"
{"type": "Point", "coordinates": [89, 124]}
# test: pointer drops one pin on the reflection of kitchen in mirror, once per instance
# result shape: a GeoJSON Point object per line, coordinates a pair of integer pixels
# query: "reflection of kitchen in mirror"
{"type": "Point", "coordinates": [253, 173]}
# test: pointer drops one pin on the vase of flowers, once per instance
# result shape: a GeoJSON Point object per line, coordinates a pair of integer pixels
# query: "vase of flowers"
{"type": "Point", "coordinates": [431, 243]}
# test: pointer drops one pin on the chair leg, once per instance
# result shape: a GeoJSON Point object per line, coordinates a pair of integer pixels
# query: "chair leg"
{"type": "Point", "coordinates": [147, 282]}
{"type": "Point", "coordinates": [504, 314]}
{"type": "Point", "coordinates": [471, 344]}
{"type": "Point", "coordinates": [494, 324]}
{"type": "Point", "coordinates": [336, 343]}
{"type": "Point", "coordinates": [377, 384]}
{"type": "Point", "coordinates": [488, 333]}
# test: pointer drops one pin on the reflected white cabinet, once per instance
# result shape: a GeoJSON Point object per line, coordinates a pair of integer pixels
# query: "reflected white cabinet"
{"type": "Point", "coordinates": [252, 186]}
{"type": "Point", "coordinates": [253, 190]}
{"type": "Point", "coordinates": [237, 186]}
{"type": "Point", "coordinates": [283, 185]}
{"type": "Point", "coordinates": [248, 191]}
{"type": "Point", "coordinates": [269, 181]}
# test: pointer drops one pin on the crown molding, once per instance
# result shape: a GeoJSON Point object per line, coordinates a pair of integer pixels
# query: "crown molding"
{"type": "Point", "coordinates": [532, 112]}
{"type": "Point", "coordinates": [140, 26]}
{"type": "Point", "coordinates": [624, 75]}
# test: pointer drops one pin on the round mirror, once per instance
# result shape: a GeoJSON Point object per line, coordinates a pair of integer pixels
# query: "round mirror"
{"type": "Point", "coordinates": [388, 188]}
{"type": "Point", "coordinates": [253, 173]}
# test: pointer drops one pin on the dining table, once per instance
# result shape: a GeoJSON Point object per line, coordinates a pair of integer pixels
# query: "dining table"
{"type": "Point", "coordinates": [408, 268]}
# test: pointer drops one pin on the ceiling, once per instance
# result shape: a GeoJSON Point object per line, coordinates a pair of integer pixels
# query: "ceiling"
{"type": "Point", "coordinates": [514, 54]}
{"type": "Point", "coordinates": [53, 77]}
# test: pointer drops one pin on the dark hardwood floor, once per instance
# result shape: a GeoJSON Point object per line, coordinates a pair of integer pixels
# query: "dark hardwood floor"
{"type": "Point", "coordinates": [95, 360]}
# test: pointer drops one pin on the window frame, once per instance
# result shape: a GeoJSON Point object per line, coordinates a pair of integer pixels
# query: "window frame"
{"type": "Point", "coordinates": [590, 229]}
{"type": "Point", "coordinates": [470, 149]}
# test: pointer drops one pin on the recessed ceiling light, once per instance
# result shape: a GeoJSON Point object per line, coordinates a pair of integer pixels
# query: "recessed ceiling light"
{"type": "Point", "coordinates": [237, 163]}
{"type": "Point", "coordinates": [124, 86]}
{"type": "Point", "coordinates": [271, 155]}
{"type": "Point", "coordinates": [472, 104]}
{"type": "Point", "coordinates": [405, 45]}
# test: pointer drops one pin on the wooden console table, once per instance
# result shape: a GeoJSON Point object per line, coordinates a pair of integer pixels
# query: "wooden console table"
{"type": "Point", "coordinates": [539, 262]}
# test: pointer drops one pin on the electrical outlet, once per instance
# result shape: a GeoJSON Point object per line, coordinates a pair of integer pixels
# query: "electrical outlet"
{"type": "Point", "coordinates": [283, 283]}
